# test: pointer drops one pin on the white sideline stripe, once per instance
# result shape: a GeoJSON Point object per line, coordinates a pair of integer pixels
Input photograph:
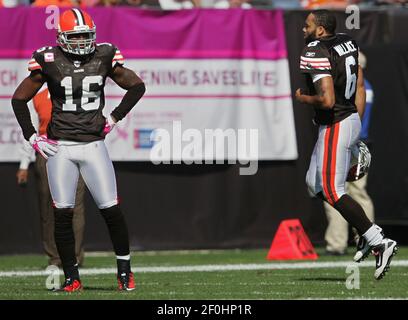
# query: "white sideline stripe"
{"type": "Point", "coordinates": [159, 253]}
{"type": "Point", "coordinates": [213, 267]}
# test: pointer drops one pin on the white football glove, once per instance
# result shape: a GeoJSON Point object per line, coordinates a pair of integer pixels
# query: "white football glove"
{"type": "Point", "coordinates": [44, 146]}
{"type": "Point", "coordinates": [109, 125]}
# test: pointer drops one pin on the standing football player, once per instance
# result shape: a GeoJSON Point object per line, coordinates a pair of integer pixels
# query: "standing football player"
{"type": "Point", "coordinates": [75, 72]}
{"type": "Point", "coordinates": [336, 91]}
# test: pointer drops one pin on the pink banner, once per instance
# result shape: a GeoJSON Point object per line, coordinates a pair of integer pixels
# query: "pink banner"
{"type": "Point", "coordinates": [207, 72]}
{"type": "Point", "coordinates": [191, 34]}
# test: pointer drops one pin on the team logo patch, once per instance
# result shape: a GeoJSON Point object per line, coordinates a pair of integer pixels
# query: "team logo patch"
{"type": "Point", "coordinates": [49, 57]}
{"type": "Point", "coordinates": [310, 54]}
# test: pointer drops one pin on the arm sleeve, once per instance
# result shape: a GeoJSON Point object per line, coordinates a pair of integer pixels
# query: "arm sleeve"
{"type": "Point", "coordinates": [129, 100]}
{"type": "Point", "coordinates": [20, 106]}
{"type": "Point", "coordinates": [314, 60]}
{"type": "Point", "coordinates": [27, 153]}
{"type": "Point", "coordinates": [23, 116]}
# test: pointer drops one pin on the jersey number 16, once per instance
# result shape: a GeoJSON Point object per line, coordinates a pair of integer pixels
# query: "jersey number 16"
{"type": "Point", "coordinates": [87, 94]}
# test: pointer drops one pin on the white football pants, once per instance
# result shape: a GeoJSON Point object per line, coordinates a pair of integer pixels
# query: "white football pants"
{"type": "Point", "coordinates": [91, 159]}
{"type": "Point", "coordinates": [330, 161]}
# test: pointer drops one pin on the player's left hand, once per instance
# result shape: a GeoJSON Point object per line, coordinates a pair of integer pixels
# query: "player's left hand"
{"type": "Point", "coordinates": [44, 146]}
{"type": "Point", "coordinates": [298, 95]}
{"type": "Point", "coordinates": [109, 124]}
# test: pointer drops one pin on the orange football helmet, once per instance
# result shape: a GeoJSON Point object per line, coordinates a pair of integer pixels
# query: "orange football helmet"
{"type": "Point", "coordinates": [76, 32]}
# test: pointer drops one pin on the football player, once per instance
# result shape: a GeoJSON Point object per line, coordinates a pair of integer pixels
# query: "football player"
{"type": "Point", "coordinates": [75, 71]}
{"type": "Point", "coordinates": [335, 88]}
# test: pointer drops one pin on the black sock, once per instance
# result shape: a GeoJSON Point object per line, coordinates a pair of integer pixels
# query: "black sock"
{"type": "Point", "coordinates": [123, 266]}
{"type": "Point", "coordinates": [65, 241]}
{"type": "Point", "coordinates": [117, 229]}
{"type": "Point", "coordinates": [353, 213]}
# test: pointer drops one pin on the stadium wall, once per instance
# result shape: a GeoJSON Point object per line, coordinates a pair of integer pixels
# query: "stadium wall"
{"type": "Point", "coordinates": [212, 206]}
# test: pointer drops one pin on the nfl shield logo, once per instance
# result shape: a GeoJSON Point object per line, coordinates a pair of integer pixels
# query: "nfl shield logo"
{"type": "Point", "coordinates": [49, 57]}
{"type": "Point", "coordinates": [77, 64]}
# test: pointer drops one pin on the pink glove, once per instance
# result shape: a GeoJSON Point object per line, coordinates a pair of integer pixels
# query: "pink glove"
{"type": "Point", "coordinates": [109, 125]}
{"type": "Point", "coordinates": [44, 146]}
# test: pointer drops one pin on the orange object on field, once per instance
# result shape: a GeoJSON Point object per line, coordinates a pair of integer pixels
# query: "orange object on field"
{"type": "Point", "coordinates": [291, 243]}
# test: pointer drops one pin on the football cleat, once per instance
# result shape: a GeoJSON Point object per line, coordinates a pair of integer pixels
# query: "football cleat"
{"type": "Point", "coordinates": [363, 250]}
{"type": "Point", "coordinates": [126, 282]}
{"type": "Point", "coordinates": [384, 253]}
{"type": "Point", "coordinates": [71, 285]}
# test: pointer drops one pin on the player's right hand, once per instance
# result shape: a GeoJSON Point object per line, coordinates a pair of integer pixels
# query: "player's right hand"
{"type": "Point", "coordinates": [44, 146]}
{"type": "Point", "coordinates": [22, 177]}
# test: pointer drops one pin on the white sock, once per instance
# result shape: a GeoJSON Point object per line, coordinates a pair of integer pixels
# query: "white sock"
{"type": "Point", "coordinates": [123, 257]}
{"type": "Point", "coordinates": [373, 235]}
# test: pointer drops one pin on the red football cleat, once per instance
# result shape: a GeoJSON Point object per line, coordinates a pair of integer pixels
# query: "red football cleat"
{"type": "Point", "coordinates": [126, 281]}
{"type": "Point", "coordinates": [71, 285]}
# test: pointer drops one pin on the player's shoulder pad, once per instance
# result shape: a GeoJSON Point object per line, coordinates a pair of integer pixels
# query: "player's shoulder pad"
{"type": "Point", "coordinates": [110, 50]}
{"type": "Point", "coordinates": [343, 37]}
{"type": "Point", "coordinates": [106, 48]}
{"type": "Point", "coordinates": [41, 56]}
{"type": "Point", "coordinates": [314, 49]}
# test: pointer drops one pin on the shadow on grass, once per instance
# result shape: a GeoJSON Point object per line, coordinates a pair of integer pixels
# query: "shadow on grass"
{"type": "Point", "coordinates": [330, 279]}
{"type": "Point", "coordinates": [111, 289]}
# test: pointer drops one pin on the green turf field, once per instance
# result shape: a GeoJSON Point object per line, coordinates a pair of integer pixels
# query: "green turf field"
{"type": "Point", "coordinates": [220, 274]}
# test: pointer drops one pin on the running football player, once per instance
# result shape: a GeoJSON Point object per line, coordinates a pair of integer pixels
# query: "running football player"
{"type": "Point", "coordinates": [336, 91]}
